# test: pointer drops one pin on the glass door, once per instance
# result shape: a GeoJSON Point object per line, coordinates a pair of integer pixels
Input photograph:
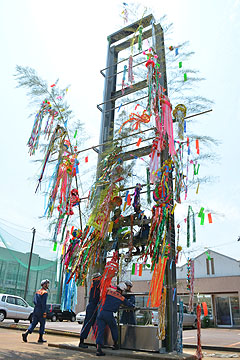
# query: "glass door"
{"type": "Point", "coordinates": [223, 311]}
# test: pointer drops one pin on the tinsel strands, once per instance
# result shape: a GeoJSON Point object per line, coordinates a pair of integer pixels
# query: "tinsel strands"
{"type": "Point", "coordinates": [190, 214]}
{"type": "Point", "coordinates": [188, 227]}
{"type": "Point", "coordinates": [199, 354]}
{"type": "Point", "coordinates": [148, 187]}
{"type": "Point", "coordinates": [180, 328]}
{"type": "Point", "coordinates": [161, 315]}
{"type": "Point", "coordinates": [130, 70]}
{"type": "Point", "coordinates": [191, 296]}
{"type": "Point", "coordinates": [140, 38]}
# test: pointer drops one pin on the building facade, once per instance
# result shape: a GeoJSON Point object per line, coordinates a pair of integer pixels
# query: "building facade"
{"type": "Point", "coordinates": [217, 282]}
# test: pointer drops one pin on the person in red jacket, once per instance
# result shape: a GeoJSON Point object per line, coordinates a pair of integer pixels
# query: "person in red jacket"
{"type": "Point", "coordinates": [39, 312]}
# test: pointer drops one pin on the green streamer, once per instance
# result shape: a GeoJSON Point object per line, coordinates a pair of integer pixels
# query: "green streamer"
{"type": "Point", "coordinates": [133, 269]}
{"type": "Point", "coordinates": [202, 219]}
{"type": "Point", "coordinates": [55, 246]}
{"type": "Point", "coordinates": [180, 64]}
{"type": "Point", "coordinates": [140, 38]}
{"type": "Point", "coordinates": [185, 77]}
{"type": "Point", "coordinates": [189, 216]}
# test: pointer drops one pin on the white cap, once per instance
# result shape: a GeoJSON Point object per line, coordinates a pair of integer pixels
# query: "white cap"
{"type": "Point", "coordinates": [45, 282]}
{"type": "Point", "coordinates": [121, 287]}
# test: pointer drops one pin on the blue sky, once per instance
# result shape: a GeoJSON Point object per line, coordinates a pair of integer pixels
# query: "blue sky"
{"type": "Point", "coordinates": [67, 40]}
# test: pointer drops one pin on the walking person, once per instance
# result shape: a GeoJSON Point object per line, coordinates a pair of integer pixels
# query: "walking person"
{"type": "Point", "coordinates": [39, 312]}
{"type": "Point", "coordinates": [91, 310]}
{"type": "Point", "coordinates": [112, 303]}
{"type": "Point", "coordinates": [128, 316]}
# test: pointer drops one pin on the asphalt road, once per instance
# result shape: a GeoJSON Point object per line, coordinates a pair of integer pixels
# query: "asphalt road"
{"type": "Point", "coordinates": [12, 347]}
{"type": "Point", "coordinates": [209, 336]}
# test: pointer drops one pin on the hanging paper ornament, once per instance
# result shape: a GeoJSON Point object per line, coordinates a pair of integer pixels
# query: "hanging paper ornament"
{"type": "Point", "coordinates": [171, 48]}
{"type": "Point", "coordinates": [139, 142]}
{"type": "Point", "coordinates": [197, 146]}
{"type": "Point", "coordinates": [185, 77]}
{"type": "Point", "coordinates": [180, 113]}
{"type": "Point", "coordinates": [176, 51]}
{"type": "Point", "coordinates": [180, 64]}
{"type": "Point", "coordinates": [210, 218]}
{"type": "Point", "coordinates": [140, 269]}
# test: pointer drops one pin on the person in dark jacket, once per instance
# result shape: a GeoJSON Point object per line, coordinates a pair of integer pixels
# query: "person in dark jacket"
{"type": "Point", "coordinates": [39, 312]}
{"type": "Point", "coordinates": [128, 316]}
{"type": "Point", "coordinates": [112, 303]}
{"type": "Point", "coordinates": [91, 310]}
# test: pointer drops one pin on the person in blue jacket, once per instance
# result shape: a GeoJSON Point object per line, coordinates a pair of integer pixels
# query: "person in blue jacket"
{"type": "Point", "coordinates": [105, 317]}
{"type": "Point", "coordinates": [39, 312]}
{"type": "Point", "coordinates": [128, 316]}
{"type": "Point", "coordinates": [91, 310]}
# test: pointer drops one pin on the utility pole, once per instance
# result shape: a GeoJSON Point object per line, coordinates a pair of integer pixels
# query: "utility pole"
{"type": "Point", "coordinates": [29, 263]}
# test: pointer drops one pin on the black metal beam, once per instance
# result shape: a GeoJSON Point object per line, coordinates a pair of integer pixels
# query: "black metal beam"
{"type": "Point", "coordinates": [130, 29]}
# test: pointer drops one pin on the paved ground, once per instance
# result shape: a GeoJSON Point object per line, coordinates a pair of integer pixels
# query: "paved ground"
{"type": "Point", "coordinates": [229, 338]}
{"type": "Point", "coordinates": [210, 336]}
{"type": "Point", "coordinates": [12, 347]}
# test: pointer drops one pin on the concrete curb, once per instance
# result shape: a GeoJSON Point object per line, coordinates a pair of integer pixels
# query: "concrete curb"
{"type": "Point", "coordinates": [126, 354]}
{"type": "Point", "coordinates": [212, 347]}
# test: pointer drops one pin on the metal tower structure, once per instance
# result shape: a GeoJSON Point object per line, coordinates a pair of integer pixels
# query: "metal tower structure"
{"type": "Point", "coordinates": [117, 42]}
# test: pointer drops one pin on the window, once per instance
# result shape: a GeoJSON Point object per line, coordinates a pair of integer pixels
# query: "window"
{"type": "Point", "coordinates": [207, 264]}
{"type": "Point", "coordinates": [3, 297]}
{"type": "Point", "coordinates": [11, 300]}
{"type": "Point", "coordinates": [212, 266]}
{"type": "Point", "coordinates": [20, 302]}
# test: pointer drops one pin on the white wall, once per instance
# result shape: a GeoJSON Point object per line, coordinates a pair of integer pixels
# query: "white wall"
{"type": "Point", "coordinates": [223, 266]}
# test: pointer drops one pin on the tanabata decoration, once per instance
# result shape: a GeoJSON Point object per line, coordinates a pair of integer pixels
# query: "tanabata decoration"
{"type": "Point", "coordinates": [156, 284]}
{"type": "Point", "coordinates": [180, 113]}
{"type": "Point", "coordinates": [189, 274]}
{"type": "Point", "coordinates": [179, 183]}
{"type": "Point", "coordinates": [140, 29]}
{"type": "Point", "coordinates": [201, 215]}
{"type": "Point", "coordinates": [199, 354]}
{"type": "Point", "coordinates": [69, 293]}
{"type": "Point", "coordinates": [180, 328]}
{"type": "Point", "coordinates": [45, 109]}
{"type": "Point", "coordinates": [130, 70]}
{"type": "Point", "coordinates": [190, 216]}
{"type": "Point", "coordinates": [124, 79]}
{"type": "Point", "coordinates": [136, 199]}
{"type": "Point", "coordinates": [111, 270]}
{"type": "Point", "coordinates": [58, 136]}
{"type": "Point", "coordinates": [98, 225]}
{"type": "Point", "coordinates": [191, 295]}
{"type": "Point", "coordinates": [139, 119]}
{"type": "Point", "coordinates": [161, 315]}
